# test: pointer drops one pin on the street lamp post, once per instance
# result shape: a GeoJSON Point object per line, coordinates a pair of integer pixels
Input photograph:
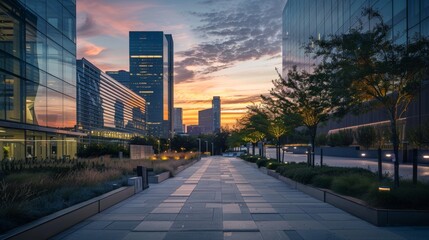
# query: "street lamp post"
{"type": "Point", "coordinates": [199, 148]}
{"type": "Point", "coordinates": [212, 148]}
{"type": "Point", "coordinates": [207, 146]}
{"type": "Point", "coordinates": [159, 146]}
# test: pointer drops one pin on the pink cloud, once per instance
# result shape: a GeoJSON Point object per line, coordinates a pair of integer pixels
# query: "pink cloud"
{"type": "Point", "coordinates": [97, 17]}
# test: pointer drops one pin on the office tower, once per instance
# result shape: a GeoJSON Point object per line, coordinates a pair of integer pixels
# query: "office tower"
{"type": "Point", "coordinates": [319, 19]}
{"type": "Point", "coordinates": [178, 122]}
{"type": "Point", "coordinates": [106, 109]}
{"type": "Point", "coordinates": [205, 120]}
{"type": "Point", "coordinates": [122, 76]}
{"type": "Point", "coordinates": [216, 114]}
{"type": "Point", "coordinates": [151, 77]}
{"type": "Point", "coordinates": [38, 79]}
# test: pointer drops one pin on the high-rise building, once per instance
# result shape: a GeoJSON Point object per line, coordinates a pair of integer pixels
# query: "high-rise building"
{"type": "Point", "coordinates": [151, 77]}
{"type": "Point", "coordinates": [205, 120]}
{"type": "Point", "coordinates": [216, 114]}
{"type": "Point", "coordinates": [319, 19]}
{"type": "Point", "coordinates": [106, 109]}
{"type": "Point", "coordinates": [178, 122]}
{"type": "Point", "coordinates": [38, 79]}
{"type": "Point", "coordinates": [122, 76]}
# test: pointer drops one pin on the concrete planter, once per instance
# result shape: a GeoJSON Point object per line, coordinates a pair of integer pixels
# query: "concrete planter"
{"type": "Point", "coordinates": [356, 207]}
{"type": "Point", "coordinates": [55, 223]}
{"type": "Point", "coordinates": [378, 217]}
{"type": "Point", "coordinates": [183, 167]}
{"type": "Point", "coordinates": [159, 178]}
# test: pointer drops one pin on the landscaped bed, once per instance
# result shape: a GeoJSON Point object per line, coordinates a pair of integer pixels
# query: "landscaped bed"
{"type": "Point", "coordinates": [355, 182]}
{"type": "Point", "coordinates": [31, 189]}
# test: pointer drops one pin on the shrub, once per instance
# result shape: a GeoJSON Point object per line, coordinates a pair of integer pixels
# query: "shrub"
{"type": "Point", "coordinates": [321, 139]}
{"type": "Point", "coordinates": [261, 162]}
{"type": "Point", "coordinates": [366, 136]}
{"type": "Point", "coordinates": [304, 175]}
{"type": "Point", "coordinates": [274, 165]}
{"type": "Point", "coordinates": [355, 185]}
{"type": "Point", "coordinates": [322, 181]}
{"type": "Point", "coordinates": [342, 138]}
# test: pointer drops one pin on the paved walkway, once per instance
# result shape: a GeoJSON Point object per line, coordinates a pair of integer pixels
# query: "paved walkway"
{"type": "Point", "coordinates": [224, 198]}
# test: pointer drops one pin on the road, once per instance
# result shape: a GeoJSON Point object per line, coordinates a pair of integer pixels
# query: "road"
{"type": "Point", "coordinates": [405, 170]}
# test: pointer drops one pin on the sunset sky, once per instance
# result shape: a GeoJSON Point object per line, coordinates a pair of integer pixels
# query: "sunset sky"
{"type": "Point", "coordinates": [226, 48]}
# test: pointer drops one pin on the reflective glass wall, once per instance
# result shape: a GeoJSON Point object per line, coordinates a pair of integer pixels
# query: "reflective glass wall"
{"type": "Point", "coordinates": [106, 108]}
{"type": "Point", "coordinates": [37, 73]}
{"type": "Point", "coordinates": [151, 68]}
{"type": "Point", "coordinates": [303, 19]}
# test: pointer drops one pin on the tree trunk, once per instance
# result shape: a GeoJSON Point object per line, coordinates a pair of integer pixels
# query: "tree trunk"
{"type": "Point", "coordinates": [313, 131]}
{"type": "Point", "coordinates": [395, 143]}
{"type": "Point", "coordinates": [253, 149]}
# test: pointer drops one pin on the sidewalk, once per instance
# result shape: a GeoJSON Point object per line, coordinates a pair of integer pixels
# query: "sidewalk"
{"type": "Point", "coordinates": [224, 198]}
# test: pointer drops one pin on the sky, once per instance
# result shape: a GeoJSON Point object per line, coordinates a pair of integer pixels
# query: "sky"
{"type": "Point", "coordinates": [226, 48]}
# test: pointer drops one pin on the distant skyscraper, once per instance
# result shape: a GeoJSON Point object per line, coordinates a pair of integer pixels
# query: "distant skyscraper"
{"type": "Point", "coordinates": [216, 114]}
{"type": "Point", "coordinates": [122, 76]}
{"type": "Point", "coordinates": [205, 120]}
{"type": "Point", "coordinates": [177, 121]}
{"type": "Point", "coordinates": [151, 76]}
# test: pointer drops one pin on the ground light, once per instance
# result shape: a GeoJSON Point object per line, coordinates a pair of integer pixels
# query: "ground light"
{"type": "Point", "coordinates": [363, 154]}
{"type": "Point", "coordinates": [384, 189]}
{"type": "Point", "coordinates": [426, 156]}
{"type": "Point", "coordinates": [388, 155]}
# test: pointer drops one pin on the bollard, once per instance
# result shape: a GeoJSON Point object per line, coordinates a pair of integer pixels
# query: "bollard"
{"type": "Point", "coordinates": [142, 172]}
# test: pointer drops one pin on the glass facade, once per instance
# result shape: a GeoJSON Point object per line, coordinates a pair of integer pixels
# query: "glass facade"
{"type": "Point", "coordinates": [303, 19]}
{"type": "Point", "coordinates": [216, 114]}
{"type": "Point", "coordinates": [151, 77]}
{"type": "Point", "coordinates": [107, 110]}
{"type": "Point", "coordinates": [37, 79]}
{"type": "Point", "coordinates": [122, 76]}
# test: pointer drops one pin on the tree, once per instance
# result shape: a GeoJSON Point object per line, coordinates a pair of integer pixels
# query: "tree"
{"type": "Point", "coordinates": [309, 98]}
{"type": "Point", "coordinates": [277, 129]}
{"type": "Point", "coordinates": [377, 72]}
{"type": "Point", "coordinates": [366, 136]}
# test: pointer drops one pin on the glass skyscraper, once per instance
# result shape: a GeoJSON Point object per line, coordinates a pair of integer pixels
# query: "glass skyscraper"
{"type": "Point", "coordinates": [107, 110]}
{"type": "Point", "coordinates": [151, 77]}
{"type": "Point", "coordinates": [216, 114]}
{"type": "Point", "coordinates": [121, 76]}
{"type": "Point", "coordinates": [38, 79]}
{"type": "Point", "coordinates": [303, 19]}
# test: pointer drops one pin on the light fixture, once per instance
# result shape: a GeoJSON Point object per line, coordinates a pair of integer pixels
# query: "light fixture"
{"type": "Point", "coordinates": [426, 156]}
{"type": "Point", "coordinates": [388, 155]}
{"type": "Point", "coordinates": [384, 189]}
{"type": "Point", "coordinates": [363, 154]}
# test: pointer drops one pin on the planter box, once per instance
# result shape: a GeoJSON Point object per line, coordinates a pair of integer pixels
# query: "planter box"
{"type": "Point", "coordinates": [273, 173]}
{"type": "Point", "coordinates": [57, 222]}
{"type": "Point", "coordinates": [159, 178]}
{"type": "Point", "coordinates": [356, 207]}
{"type": "Point", "coordinates": [183, 167]}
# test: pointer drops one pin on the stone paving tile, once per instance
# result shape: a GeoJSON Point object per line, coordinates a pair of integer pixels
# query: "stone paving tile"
{"type": "Point", "coordinates": [145, 235]}
{"type": "Point", "coordinates": [226, 198]}
{"type": "Point", "coordinates": [195, 235]}
{"type": "Point", "coordinates": [84, 234]}
{"type": "Point", "coordinates": [239, 226]}
{"type": "Point", "coordinates": [154, 226]}
{"type": "Point", "coordinates": [123, 225]}
{"type": "Point", "coordinates": [242, 235]}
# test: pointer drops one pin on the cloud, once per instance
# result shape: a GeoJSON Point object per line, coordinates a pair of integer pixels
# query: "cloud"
{"type": "Point", "coordinates": [102, 17]}
{"type": "Point", "coordinates": [250, 30]}
{"type": "Point", "coordinates": [88, 49]}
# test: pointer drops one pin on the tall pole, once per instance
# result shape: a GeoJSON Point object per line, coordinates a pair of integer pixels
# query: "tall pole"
{"type": "Point", "coordinates": [207, 146]}
{"type": "Point", "coordinates": [212, 148]}
{"type": "Point", "coordinates": [199, 146]}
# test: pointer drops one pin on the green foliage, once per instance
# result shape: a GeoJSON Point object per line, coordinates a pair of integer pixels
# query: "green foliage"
{"type": "Point", "coordinates": [321, 140]}
{"type": "Point", "coordinates": [408, 196]}
{"type": "Point", "coordinates": [354, 185]}
{"type": "Point", "coordinates": [366, 136]}
{"type": "Point", "coordinates": [101, 149]}
{"type": "Point", "coordinates": [341, 139]}
{"type": "Point", "coordinates": [250, 158]}
{"type": "Point", "coordinates": [419, 136]}
{"type": "Point", "coordinates": [322, 181]}
{"type": "Point", "coordinates": [273, 165]}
